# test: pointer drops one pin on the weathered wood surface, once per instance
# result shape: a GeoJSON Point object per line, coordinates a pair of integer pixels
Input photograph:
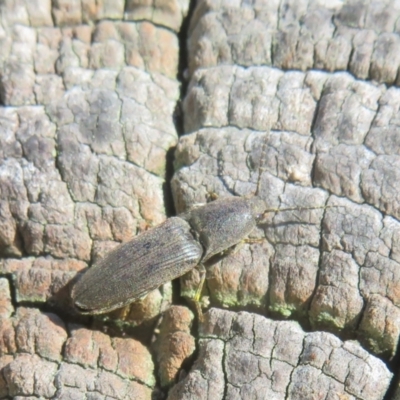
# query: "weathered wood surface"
{"type": "Point", "coordinates": [88, 121]}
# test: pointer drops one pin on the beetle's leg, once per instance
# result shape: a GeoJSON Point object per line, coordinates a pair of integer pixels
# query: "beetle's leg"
{"type": "Point", "coordinates": [196, 205]}
{"type": "Point", "coordinates": [202, 271]}
{"type": "Point", "coordinates": [211, 196]}
{"type": "Point", "coordinates": [234, 249]}
{"type": "Point", "coordinates": [197, 297]}
{"type": "Point", "coordinates": [143, 226]}
{"type": "Point", "coordinates": [253, 240]}
{"type": "Point", "coordinates": [199, 311]}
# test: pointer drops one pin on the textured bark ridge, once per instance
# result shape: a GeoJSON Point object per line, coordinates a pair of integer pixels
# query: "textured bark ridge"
{"type": "Point", "coordinates": [246, 356]}
{"type": "Point", "coordinates": [295, 100]}
{"type": "Point", "coordinates": [42, 358]}
{"type": "Point", "coordinates": [84, 169]}
{"type": "Point", "coordinates": [355, 36]}
{"type": "Point", "coordinates": [337, 268]}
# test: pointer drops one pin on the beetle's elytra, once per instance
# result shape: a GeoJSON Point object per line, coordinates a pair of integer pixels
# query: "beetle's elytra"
{"type": "Point", "coordinates": [164, 253]}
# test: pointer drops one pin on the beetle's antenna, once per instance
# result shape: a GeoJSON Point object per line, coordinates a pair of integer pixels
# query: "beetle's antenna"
{"type": "Point", "coordinates": [277, 210]}
{"type": "Point", "coordinates": [274, 210]}
{"type": "Point", "coordinates": [261, 167]}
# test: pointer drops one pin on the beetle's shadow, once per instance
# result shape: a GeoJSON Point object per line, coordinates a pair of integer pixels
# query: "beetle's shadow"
{"type": "Point", "coordinates": [61, 301]}
{"type": "Point", "coordinates": [111, 323]}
